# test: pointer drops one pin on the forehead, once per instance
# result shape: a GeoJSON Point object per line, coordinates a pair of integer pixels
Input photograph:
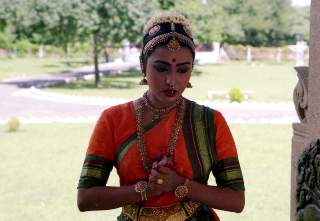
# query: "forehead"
{"type": "Point", "coordinates": [164, 54]}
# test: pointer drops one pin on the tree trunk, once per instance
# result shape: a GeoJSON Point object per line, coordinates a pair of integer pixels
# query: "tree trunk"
{"type": "Point", "coordinates": [106, 55]}
{"type": "Point", "coordinates": [96, 60]}
{"type": "Point", "coordinates": [67, 52]}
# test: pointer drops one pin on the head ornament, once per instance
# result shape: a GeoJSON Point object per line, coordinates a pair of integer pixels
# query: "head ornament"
{"type": "Point", "coordinates": [170, 29]}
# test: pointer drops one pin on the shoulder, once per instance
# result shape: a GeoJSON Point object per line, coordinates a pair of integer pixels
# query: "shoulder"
{"type": "Point", "coordinates": [196, 107]}
{"type": "Point", "coordinates": [117, 111]}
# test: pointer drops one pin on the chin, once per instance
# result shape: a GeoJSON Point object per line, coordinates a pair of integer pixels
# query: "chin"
{"type": "Point", "coordinates": [169, 100]}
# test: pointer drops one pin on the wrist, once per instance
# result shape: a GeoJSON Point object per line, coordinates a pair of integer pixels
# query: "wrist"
{"type": "Point", "coordinates": [182, 191]}
{"type": "Point", "coordinates": [141, 188]}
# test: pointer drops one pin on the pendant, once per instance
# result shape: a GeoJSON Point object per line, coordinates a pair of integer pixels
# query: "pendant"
{"type": "Point", "coordinates": [156, 117]}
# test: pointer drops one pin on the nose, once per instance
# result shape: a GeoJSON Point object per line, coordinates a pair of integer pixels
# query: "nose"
{"type": "Point", "coordinates": [171, 78]}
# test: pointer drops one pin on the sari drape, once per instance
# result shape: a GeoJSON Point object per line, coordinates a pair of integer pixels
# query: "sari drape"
{"type": "Point", "coordinates": [205, 144]}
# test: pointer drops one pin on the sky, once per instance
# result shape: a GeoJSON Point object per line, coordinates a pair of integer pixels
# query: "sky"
{"type": "Point", "coordinates": [300, 2]}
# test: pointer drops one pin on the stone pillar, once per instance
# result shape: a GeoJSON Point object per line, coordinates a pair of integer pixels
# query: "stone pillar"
{"type": "Point", "coordinates": [307, 100]}
{"type": "Point", "coordinates": [300, 130]}
{"type": "Point", "coordinates": [314, 79]}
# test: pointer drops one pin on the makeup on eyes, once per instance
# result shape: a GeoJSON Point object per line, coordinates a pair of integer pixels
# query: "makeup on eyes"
{"type": "Point", "coordinates": [162, 66]}
{"type": "Point", "coordinates": [169, 64]}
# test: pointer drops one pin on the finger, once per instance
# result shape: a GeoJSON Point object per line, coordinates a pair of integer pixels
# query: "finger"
{"type": "Point", "coordinates": [153, 172]}
{"type": "Point", "coordinates": [164, 169]}
{"type": "Point", "coordinates": [152, 179]}
{"type": "Point", "coordinates": [154, 165]}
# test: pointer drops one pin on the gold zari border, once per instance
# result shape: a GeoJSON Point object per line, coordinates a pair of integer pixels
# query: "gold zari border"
{"type": "Point", "coordinates": [175, 212]}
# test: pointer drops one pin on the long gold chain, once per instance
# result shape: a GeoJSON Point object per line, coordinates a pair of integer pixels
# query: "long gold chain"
{"type": "Point", "coordinates": [173, 136]}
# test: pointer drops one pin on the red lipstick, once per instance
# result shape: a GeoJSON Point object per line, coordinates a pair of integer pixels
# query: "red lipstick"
{"type": "Point", "coordinates": [170, 93]}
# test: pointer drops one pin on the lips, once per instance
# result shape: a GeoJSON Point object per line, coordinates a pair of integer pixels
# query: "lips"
{"type": "Point", "coordinates": [170, 93]}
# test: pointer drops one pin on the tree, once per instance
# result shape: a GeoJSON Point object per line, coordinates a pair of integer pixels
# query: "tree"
{"type": "Point", "coordinates": [166, 4]}
{"type": "Point", "coordinates": [206, 19]}
{"type": "Point", "coordinates": [109, 22]}
{"type": "Point", "coordinates": [256, 22]}
{"type": "Point", "coordinates": [299, 21]}
{"type": "Point", "coordinates": [54, 22]}
{"type": "Point", "coordinates": [65, 29]}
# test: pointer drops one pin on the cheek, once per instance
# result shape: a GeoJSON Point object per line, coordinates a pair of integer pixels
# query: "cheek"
{"type": "Point", "coordinates": [154, 78]}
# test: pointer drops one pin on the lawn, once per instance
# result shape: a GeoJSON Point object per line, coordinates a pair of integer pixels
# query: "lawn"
{"type": "Point", "coordinates": [23, 67]}
{"type": "Point", "coordinates": [41, 164]}
{"type": "Point", "coordinates": [269, 82]}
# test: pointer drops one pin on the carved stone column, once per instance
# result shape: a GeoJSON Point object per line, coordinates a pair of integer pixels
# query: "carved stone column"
{"type": "Point", "coordinates": [307, 101]}
{"type": "Point", "coordinates": [314, 72]}
{"type": "Point", "coordinates": [300, 130]}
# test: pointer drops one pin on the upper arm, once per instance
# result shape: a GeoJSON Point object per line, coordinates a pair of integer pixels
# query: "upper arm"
{"type": "Point", "coordinates": [98, 161]}
{"type": "Point", "coordinates": [227, 170]}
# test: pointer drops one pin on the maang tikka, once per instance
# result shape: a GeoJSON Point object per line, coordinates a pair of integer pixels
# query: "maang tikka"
{"type": "Point", "coordinates": [173, 44]}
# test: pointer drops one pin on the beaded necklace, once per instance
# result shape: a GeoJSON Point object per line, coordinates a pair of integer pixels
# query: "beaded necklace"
{"type": "Point", "coordinates": [173, 137]}
{"type": "Point", "coordinates": [158, 112]}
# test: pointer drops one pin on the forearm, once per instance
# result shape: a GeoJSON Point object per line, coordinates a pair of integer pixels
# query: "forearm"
{"type": "Point", "coordinates": [104, 198]}
{"type": "Point", "coordinates": [216, 197]}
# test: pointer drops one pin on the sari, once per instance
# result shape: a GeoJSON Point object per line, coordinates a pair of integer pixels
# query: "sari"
{"type": "Point", "coordinates": [204, 145]}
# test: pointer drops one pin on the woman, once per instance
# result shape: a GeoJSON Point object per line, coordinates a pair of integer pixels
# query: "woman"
{"type": "Point", "coordinates": [163, 145]}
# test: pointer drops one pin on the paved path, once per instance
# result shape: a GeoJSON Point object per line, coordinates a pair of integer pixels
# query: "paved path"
{"type": "Point", "coordinates": [35, 105]}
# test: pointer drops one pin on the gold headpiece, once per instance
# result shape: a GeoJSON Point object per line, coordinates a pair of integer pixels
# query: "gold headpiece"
{"type": "Point", "coordinates": [171, 29]}
{"type": "Point", "coordinates": [172, 17]}
{"type": "Point", "coordinates": [173, 45]}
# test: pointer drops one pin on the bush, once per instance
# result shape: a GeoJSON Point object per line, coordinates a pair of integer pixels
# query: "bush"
{"type": "Point", "coordinates": [235, 95]}
{"type": "Point", "coordinates": [6, 40]}
{"type": "Point", "coordinates": [13, 125]}
{"type": "Point", "coordinates": [24, 47]}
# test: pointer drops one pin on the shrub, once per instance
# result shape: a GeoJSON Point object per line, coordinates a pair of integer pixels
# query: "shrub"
{"type": "Point", "coordinates": [24, 47]}
{"type": "Point", "coordinates": [6, 40]}
{"type": "Point", "coordinates": [13, 125]}
{"type": "Point", "coordinates": [236, 95]}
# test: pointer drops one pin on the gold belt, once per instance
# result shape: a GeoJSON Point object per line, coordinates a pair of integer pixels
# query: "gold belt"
{"type": "Point", "coordinates": [175, 212]}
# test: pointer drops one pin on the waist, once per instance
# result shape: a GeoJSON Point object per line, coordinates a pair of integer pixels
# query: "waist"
{"type": "Point", "coordinates": [176, 212]}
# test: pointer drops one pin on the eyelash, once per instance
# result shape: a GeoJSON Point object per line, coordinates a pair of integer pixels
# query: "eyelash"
{"type": "Point", "coordinates": [179, 70]}
{"type": "Point", "coordinates": [161, 69]}
{"type": "Point", "coordinates": [182, 70]}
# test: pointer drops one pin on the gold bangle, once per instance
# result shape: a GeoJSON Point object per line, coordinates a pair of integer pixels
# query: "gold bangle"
{"type": "Point", "coordinates": [141, 187]}
{"type": "Point", "coordinates": [182, 190]}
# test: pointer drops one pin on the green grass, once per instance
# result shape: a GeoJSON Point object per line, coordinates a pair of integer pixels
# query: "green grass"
{"type": "Point", "coordinates": [22, 67]}
{"type": "Point", "coordinates": [41, 163]}
{"type": "Point", "coordinates": [268, 81]}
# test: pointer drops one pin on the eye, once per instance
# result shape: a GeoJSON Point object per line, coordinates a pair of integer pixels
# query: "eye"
{"type": "Point", "coordinates": [160, 68]}
{"type": "Point", "coordinates": [182, 70]}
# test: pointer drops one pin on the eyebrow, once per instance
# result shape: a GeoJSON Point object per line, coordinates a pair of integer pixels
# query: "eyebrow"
{"type": "Point", "coordinates": [167, 63]}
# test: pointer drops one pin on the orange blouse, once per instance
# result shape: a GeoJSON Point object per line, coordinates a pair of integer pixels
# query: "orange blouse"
{"type": "Point", "coordinates": [113, 143]}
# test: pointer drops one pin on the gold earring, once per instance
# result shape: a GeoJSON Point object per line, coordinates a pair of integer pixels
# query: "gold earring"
{"type": "Point", "coordinates": [189, 85]}
{"type": "Point", "coordinates": [143, 81]}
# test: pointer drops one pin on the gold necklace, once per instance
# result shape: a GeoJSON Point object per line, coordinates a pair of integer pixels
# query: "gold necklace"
{"type": "Point", "coordinates": [140, 132]}
{"type": "Point", "coordinates": [157, 113]}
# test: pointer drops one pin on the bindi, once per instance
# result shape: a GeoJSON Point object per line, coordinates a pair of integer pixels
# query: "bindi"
{"type": "Point", "coordinates": [173, 60]}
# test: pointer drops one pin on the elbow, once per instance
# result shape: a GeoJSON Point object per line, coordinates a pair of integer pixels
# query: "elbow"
{"type": "Point", "coordinates": [239, 209]}
{"type": "Point", "coordinates": [81, 205]}
{"type": "Point", "coordinates": [81, 201]}
{"type": "Point", "coordinates": [240, 205]}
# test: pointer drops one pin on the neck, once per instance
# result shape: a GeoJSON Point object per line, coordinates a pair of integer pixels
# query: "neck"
{"type": "Point", "coordinates": [151, 102]}
{"type": "Point", "coordinates": [159, 110]}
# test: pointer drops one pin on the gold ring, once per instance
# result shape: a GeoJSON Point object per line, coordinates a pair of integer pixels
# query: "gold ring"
{"type": "Point", "coordinates": [159, 181]}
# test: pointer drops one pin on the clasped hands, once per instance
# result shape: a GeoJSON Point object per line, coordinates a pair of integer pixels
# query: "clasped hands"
{"type": "Point", "coordinates": [163, 178]}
